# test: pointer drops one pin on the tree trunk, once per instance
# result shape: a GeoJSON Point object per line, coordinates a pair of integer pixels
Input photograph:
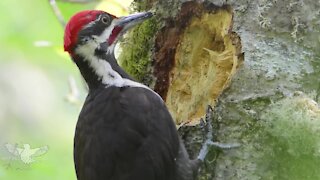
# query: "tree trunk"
{"type": "Point", "coordinates": [191, 54]}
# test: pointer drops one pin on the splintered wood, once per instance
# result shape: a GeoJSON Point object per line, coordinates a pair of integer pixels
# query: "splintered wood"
{"type": "Point", "coordinates": [196, 56]}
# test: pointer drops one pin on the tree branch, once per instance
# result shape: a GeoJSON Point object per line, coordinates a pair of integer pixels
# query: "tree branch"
{"type": "Point", "coordinates": [57, 12]}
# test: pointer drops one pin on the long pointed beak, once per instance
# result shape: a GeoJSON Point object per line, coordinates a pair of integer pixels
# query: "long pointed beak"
{"type": "Point", "coordinates": [131, 20]}
{"type": "Point", "coordinates": [123, 24]}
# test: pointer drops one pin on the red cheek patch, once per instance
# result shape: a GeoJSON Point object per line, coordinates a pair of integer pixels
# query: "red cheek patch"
{"type": "Point", "coordinates": [114, 34]}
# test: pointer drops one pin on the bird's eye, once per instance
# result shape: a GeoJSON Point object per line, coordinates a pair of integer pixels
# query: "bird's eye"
{"type": "Point", "coordinates": [105, 20]}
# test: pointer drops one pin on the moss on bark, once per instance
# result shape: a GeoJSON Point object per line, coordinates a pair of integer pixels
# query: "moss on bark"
{"type": "Point", "coordinates": [189, 57]}
{"type": "Point", "coordinates": [136, 55]}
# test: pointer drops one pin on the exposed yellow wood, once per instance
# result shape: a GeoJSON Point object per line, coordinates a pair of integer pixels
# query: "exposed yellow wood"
{"type": "Point", "coordinates": [206, 59]}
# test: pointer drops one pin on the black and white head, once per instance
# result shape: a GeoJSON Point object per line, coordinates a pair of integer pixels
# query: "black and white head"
{"type": "Point", "coordinates": [88, 31]}
{"type": "Point", "coordinates": [90, 38]}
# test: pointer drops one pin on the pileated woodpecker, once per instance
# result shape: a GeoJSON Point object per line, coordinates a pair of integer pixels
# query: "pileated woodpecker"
{"type": "Point", "coordinates": [124, 130]}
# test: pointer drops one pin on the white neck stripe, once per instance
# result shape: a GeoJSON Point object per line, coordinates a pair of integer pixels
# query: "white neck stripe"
{"type": "Point", "coordinates": [103, 69]}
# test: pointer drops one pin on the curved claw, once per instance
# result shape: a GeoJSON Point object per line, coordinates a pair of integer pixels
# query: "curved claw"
{"type": "Point", "coordinates": [205, 147]}
{"type": "Point", "coordinates": [224, 145]}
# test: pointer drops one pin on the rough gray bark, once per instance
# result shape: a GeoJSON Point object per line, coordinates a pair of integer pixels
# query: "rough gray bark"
{"type": "Point", "coordinates": [261, 109]}
{"type": "Point", "coordinates": [270, 107]}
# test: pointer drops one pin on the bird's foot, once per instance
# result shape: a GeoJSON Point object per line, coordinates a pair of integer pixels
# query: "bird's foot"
{"type": "Point", "coordinates": [224, 145]}
{"type": "Point", "coordinates": [209, 137]}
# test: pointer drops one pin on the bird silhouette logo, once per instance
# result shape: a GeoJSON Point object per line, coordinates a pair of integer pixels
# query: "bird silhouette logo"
{"type": "Point", "coordinates": [25, 154]}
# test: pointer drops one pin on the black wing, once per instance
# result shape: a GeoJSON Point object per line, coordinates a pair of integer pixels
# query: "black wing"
{"type": "Point", "coordinates": [125, 133]}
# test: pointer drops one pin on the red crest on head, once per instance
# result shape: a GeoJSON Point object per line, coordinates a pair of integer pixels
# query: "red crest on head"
{"type": "Point", "coordinates": [75, 24]}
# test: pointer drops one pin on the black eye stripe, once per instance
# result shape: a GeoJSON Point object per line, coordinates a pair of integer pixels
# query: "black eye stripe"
{"type": "Point", "coordinates": [95, 28]}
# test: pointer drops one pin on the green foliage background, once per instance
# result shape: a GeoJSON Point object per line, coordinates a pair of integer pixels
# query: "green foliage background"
{"type": "Point", "coordinates": [33, 86]}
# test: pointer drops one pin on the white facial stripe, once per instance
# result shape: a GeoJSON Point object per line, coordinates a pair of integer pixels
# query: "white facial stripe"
{"type": "Point", "coordinates": [89, 24]}
{"type": "Point", "coordinates": [92, 23]}
{"type": "Point", "coordinates": [104, 70]}
{"type": "Point", "coordinates": [105, 34]}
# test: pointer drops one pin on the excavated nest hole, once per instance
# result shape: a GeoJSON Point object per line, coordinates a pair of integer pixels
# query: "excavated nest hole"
{"type": "Point", "coordinates": [196, 56]}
